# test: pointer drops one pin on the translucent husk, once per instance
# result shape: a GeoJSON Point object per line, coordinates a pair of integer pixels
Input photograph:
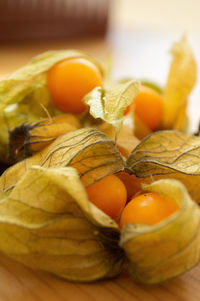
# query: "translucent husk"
{"type": "Point", "coordinates": [90, 151]}
{"type": "Point", "coordinates": [109, 103]}
{"type": "Point", "coordinates": [180, 82]}
{"type": "Point", "coordinates": [24, 96]}
{"type": "Point", "coordinates": [28, 139]}
{"type": "Point", "coordinates": [46, 220]}
{"type": "Point", "coordinates": [47, 223]}
{"type": "Point", "coordinates": [168, 154]}
{"type": "Point", "coordinates": [44, 210]}
{"type": "Point", "coordinates": [169, 248]}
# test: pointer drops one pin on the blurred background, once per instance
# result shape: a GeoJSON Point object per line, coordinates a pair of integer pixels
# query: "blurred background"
{"type": "Point", "coordinates": [139, 34]}
{"type": "Point", "coordinates": [165, 14]}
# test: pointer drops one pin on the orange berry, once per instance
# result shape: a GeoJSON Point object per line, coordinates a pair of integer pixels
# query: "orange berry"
{"type": "Point", "coordinates": [70, 80]}
{"type": "Point", "coordinates": [148, 106]}
{"type": "Point", "coordinates": [109, 195]}
{"type": "Point", "coordinates": [148, 208]}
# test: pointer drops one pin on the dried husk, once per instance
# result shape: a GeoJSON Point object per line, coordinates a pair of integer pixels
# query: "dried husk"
{"type": "Point", "coordinates": [168, 154]}
{"type": "Point", "coordinates": [126, 141]}
{"type": "Point", "coordinates": [165, 250]}
{"type": "Point", "coordinates": [19, 84]}
{"type": "Point", "coordinates": [180, 82]}
{"type": "Point", "coordinates": [24, 96]}
{"type": "Point", "coordinates": [181, 79]}
{"type": "Point", "coordinates": [38, 196]}
{"type": "Point", "coordinates": [109, 103]}
{"type": "Point", "coordinates": [88, 150]}
{"type": "Point", "coordinates": [30, 138]}
{"type": "Point", "coordinates": [47, 223]}
{"type": "Point", "coordinates": [46, 220]}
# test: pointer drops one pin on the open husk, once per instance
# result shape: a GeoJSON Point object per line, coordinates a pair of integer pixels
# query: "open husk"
{"type": "Point", "coordinates": [24, 96]}
{"type": "Point", "coordinates": [47, 223]}
{"type": "Point", "coordinates": [44, 211]}
{"type": "Point", "coordinates": [180, 82]}
{"type": "Point", "coordinates": [169, 248]}
{"type": "Point", "coordinates": [110, 103]}
{"type": "Point", "coordinates": [46, 219]}
{"type": "Point", "coordinates": [168, 154]}
{"type": "Point", "coordinates": [88, 150]}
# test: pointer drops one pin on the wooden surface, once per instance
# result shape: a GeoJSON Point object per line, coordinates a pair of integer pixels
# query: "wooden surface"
{"type": "Point", "coordinates": [138, 54]}
{"type": "Point", "coordinates": [18, 283]}
{"type": "Point", "coordinates": [13, 56]}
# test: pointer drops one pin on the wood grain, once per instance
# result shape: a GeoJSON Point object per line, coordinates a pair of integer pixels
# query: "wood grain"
{"type": "Point", "coordinates": [19, 283]}
{"type": "Point", "coordinates": [13, 56]}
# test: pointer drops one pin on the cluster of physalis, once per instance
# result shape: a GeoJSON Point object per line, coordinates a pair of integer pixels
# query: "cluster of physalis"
{"type": "Point", "coordinates": [109, 177]}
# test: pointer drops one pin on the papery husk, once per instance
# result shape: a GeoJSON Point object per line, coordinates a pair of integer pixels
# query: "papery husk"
{"type": "Point", "coordinates": [168, 154]}
{"type": "Point", "coordinates": [168, 249]}
{"type": "Point", "coordinates": [24, 96]}
{"type": "Point", "coordinates": [88, 150]}
{"type": "Point", "coordinates": [23, 81]}
{"type": "Point", "coordinates": [28, 139]}
{"type": "Point", "coordinates": [180, 82]}
{"type": "Point", "coordinates": [47, 223]}
{"type": "Point", "coordinates": [126, 140]}
{"type": "Point", "coordinates": [181, 123]}
{"type": "Point", "coordinates": [47, 211]}
{"type": "Point", "coordinates": [110, 103]}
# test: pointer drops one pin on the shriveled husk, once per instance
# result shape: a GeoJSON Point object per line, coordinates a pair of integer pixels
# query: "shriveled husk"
{"type": "Point", "coordinates": [165, 250]}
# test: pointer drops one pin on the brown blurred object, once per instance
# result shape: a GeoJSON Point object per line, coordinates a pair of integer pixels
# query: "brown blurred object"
{"type": "Point", "coordinates": [28, 20]}
{"type": "Point", "coordinates": [3, 167]}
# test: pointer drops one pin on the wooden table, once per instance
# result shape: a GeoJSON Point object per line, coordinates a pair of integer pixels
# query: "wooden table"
{"type": "Point", "coordinates": [13, 56]}
{"type": "Point", "coordinates": [18, 283]}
